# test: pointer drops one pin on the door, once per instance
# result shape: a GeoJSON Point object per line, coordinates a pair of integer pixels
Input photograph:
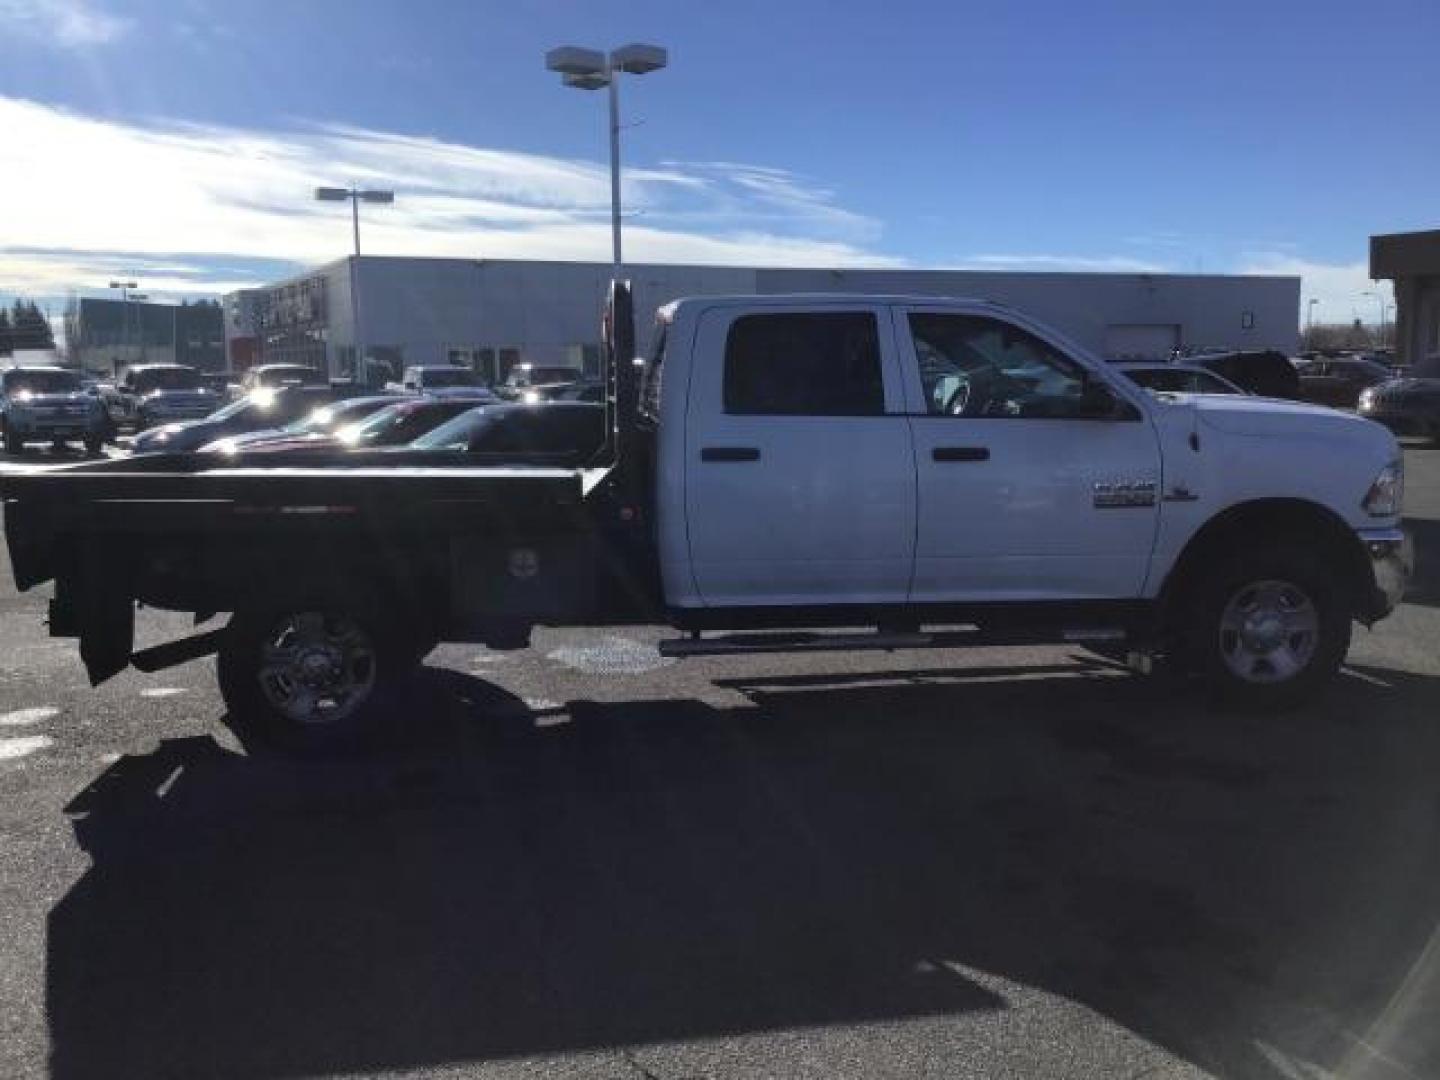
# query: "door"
{"type": "Point", "coordinates": [1025, 491]}
{"type": "Point", "coordinates": [800, 475]}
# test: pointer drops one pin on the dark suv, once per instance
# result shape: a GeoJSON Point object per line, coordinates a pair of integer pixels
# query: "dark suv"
{"type": "Point", "coordinates": [1267, 373]}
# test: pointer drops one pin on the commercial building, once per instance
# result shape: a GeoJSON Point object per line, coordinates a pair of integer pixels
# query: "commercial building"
{"type": "Point", "coordinates": [104, 335]}
{"type": "Point", "coordinates": [1412, 262]}
{"type": "Point", "coordinates": [491, 314]}
{"type": "Point", "coordinates": [242, 328]}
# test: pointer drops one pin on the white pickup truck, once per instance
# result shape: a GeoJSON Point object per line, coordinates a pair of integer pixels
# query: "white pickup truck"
{"type": "Point", "coordinates": [941, 472]}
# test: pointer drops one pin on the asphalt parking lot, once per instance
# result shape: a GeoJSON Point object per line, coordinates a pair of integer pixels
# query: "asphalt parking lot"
{"type": "Point", "coordinates": [580, 860]}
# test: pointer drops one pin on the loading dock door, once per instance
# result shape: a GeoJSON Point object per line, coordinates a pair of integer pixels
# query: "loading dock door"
{"type": "Point", "coordinates": [1141, 341]}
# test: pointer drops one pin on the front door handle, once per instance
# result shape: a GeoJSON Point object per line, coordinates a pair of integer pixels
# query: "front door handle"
{"type": "Point", "coordinates": [729, 453]}
{"type": "Point", "coordinates": [961, 453]}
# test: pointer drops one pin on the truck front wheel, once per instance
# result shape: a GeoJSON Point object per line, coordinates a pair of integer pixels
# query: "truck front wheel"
{"type": "Point", "coordinates": [1269, 627]}
{"type": "Point", "coordinates": [310, 679]}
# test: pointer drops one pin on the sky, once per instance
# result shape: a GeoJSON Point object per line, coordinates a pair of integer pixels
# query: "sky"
{"type": "Point", "coordinates": [177, 142]}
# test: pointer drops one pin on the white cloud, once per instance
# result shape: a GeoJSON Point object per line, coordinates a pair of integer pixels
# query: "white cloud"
{"type": "Point", "coordinates": [71, 24]}
{"type": "Point", "coordinates": [1110, 264]}
{"type": "Point", "coordinates": [1338, 286]}
{"type": "Point", "coordinates": [188, 195]}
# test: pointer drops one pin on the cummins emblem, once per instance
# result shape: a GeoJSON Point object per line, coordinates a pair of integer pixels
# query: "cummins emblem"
{"type": "Point", "coordinates": [524, 563]}
{"type": "Point", "coordinates": [1119, 494]}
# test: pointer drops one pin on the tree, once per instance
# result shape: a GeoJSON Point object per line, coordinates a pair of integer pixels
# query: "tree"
{"type": "Point", "coordinates": [29, 328]}
{"type": "Point", "coordinates": [5, 348]}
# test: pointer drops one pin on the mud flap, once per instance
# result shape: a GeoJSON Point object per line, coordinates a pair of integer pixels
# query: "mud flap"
{"type": "Point", "coordinates": [105, 611]}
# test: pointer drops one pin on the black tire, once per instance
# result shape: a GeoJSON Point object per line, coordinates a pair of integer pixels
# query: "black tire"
{"type": "Point", "coordinates": [14, 445]}
{"type": "Point", "coordinates": [94, 444]}
{"type": "Point", "coordinates": [253, 711]}
{"type": "Point", "coordinates": [1273, 592]}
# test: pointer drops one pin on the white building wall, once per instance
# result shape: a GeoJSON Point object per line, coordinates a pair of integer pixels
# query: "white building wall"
{"type": "Point", "coordinates": [549, 310]}
{"type": "Point", "coordinates": [1232, 312]}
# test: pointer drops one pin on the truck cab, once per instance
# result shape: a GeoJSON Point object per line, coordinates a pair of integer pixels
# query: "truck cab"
{"type": "Point", "coordinates": [912, 452]}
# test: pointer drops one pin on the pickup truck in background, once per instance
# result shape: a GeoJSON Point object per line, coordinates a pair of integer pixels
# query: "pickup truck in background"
{"type": "Point", "coordinates": [44, 403]}
{"type": "Point", "coordinates": [151, 394]}
{"type": "Point", "coordinates": [439, 379]}
{"type": "Point", "coordinates": [782, 470]}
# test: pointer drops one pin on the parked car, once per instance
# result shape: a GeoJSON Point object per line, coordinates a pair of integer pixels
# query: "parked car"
{"type": "Point", "coordinates": [150, 394]}
{"type": "Point", "coordinates": [319, 423]}
{"type": "Point", "coordinates": [592, 390]}
{"type": "Point", "coordinates": [527, 376]}
{"type": "Point", "coordinates": [1178, 379]}
{"type": "Point", "coordinates": [394, 425]}
{"type": "Point", "coordinates": [49, 404]}
{"type": "Point", "coordinates": [220, 382]}
{"type": "Point", "coordinates": [267, 376]}
{"type": "Point", "coordinates": [556, 432]}
{"type": "Point", "coordinates": [1408, 406]}
{"type": "Point", "coordinates": [424, 379]}
{"type": "Point", "coordinates": [260, 409]}
{"type": "Point", "coordinates": [1338, 383]}
{"type": "Point", "coordinates": [1267, 373]}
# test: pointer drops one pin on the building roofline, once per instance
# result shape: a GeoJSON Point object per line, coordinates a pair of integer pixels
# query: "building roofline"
{"type": "Point", "coordinates": [840, 272]}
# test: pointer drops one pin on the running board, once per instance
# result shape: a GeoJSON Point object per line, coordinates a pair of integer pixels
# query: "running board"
{"type": "Point", "coordinates": [159, 657]}
{"type": "Point", "coordinates": [742, 644]}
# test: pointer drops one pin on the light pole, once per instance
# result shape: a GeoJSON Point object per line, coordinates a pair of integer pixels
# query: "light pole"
{"type": "Point", "coordinates": [1380, 303]}
{"type": "Point", "coordinates": [1310, 320]}
{"type": "Point", "coordinates": [124, 287]}
{"type": "Point", "coordinates": [591, 69]}
{"type": "Point", "coordinates": [356, 197]}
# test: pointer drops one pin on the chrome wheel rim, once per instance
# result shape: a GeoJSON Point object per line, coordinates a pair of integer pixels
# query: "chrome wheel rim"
{"type": "Point", "coordinates": [1269, 631]}
{"type": "Point", "coordinates": [316, 667]}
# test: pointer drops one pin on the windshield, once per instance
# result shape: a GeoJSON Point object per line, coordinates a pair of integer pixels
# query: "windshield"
{"type": "Point", "coordinates": [41, 382]}
{"type": "Point", "coordinates": [237, 407]}
{"type": "Point", "coordinates": [328, 418]}
{"type": "Point", "coordinates": [166, 379]}
{"type": "Point", "coordinates": [454, 434]}
{"type": "Point", "coordinates": [398, 424]}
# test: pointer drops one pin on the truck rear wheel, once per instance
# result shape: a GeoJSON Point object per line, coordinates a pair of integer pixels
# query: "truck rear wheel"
{"type": "Point", "coordinates": [1268, 628]}
{"type": "Point", "coordinates": [313, 678]}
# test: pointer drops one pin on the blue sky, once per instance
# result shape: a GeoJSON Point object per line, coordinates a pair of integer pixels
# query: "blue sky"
{"type": "Point", "coordinates": [177, 140]}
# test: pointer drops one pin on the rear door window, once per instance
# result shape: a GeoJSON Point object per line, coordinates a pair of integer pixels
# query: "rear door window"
{"type": "Point", "coordinates": [804, 364]}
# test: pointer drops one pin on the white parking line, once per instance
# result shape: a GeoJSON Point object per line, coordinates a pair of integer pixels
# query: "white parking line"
{"type": "Point", "coordinates": [11, 749]}
{"type": "Point", "coordinates": [162, 691]}
{"type": "Point", "coordinates": [22, 717]}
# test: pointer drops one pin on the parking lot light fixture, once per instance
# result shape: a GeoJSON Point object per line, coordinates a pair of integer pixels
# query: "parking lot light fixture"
{"type": "Point", "coordinates": [126, 295]}
{"type": "Point", "coordinates": [356, 195]}
{"type": "Point", "coordinates": [591, 69]}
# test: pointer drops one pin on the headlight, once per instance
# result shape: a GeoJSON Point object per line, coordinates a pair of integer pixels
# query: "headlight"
{"type": "Point", "coordinates": [1387, 493]}
{"type": "Point", "coordinates": [1367, 398]}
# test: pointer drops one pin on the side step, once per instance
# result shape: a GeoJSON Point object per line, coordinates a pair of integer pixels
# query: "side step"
{"type": "Point", "coordinates": [742, 644]}
{"type": "Point", "coordinates": [159, 657]}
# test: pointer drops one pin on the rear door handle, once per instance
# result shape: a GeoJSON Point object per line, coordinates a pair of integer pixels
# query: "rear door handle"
{"type": "Point", "coordinates": [961, 453]}
{"type": "Point", "coordinates": [729, 453]}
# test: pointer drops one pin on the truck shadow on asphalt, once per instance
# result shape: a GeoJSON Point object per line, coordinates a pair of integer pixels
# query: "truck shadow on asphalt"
{"type": "Point", "coordinates": [1253, 893]}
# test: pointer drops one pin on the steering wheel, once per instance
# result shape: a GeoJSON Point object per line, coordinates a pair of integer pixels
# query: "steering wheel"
{"type": "Point", "coordinates": [958, 401]}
